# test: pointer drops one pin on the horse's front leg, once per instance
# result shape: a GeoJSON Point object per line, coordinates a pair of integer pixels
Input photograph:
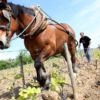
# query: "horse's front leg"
{"type": "Point", "coordinates": [42, 76]}
{"type": "Point", "coordinates": [40, 70]}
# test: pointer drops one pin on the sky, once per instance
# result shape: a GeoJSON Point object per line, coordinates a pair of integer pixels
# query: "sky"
{"type": "Point", "coordinates": [81, 15]}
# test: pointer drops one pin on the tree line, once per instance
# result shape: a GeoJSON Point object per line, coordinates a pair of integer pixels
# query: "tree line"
{"type": "Point", "coordinates": [26, 58]}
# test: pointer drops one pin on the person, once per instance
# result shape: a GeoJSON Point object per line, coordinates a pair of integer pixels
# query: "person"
{"type": "Point", "coordinates": [85, 40]}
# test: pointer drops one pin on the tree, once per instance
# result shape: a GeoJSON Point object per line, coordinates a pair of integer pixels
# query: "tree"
{"type": "Point", "coordinates": [26, 58]}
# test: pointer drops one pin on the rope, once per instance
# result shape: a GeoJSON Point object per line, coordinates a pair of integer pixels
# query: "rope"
{"type": "Point", "coordinates": [24, 29]}
{"type": "Point", "coordinates": [52, 19]}
{"type": "Point", "coordinates": [49, 18]}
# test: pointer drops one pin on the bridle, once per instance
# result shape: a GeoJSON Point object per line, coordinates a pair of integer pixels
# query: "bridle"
{"type": "Point", "coordinates": [7, 14]}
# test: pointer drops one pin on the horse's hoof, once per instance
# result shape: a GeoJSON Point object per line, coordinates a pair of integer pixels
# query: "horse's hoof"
{"type": "Point", "coordinates": [45, 88]}
{"type": "Point", "coordinates": [47, 83]}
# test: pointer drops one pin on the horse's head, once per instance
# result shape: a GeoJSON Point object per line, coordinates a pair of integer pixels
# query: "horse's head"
{"type": "Point", "coordinates": [7, 24]}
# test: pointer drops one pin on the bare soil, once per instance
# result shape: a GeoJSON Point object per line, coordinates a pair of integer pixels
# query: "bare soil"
{"type": "Point", "coordinates": [87, 79]}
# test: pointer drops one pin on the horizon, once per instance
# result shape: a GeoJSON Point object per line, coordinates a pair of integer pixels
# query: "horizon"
{"type": "Point", "coordinates": [82, 16]}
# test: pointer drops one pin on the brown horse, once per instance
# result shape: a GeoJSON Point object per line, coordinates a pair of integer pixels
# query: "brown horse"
{"type": "Point", "coordinates": [47, 40]}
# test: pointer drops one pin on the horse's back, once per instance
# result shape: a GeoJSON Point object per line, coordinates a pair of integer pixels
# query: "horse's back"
{"type": "Point", "coordinates": [66, 28]}
{"type": "Point", "coordinates": [62, 32]}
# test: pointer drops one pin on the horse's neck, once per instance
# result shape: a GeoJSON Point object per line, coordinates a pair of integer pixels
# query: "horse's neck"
{"type": "Point", "coordinates": [24, 20]}
{"type": "Point", "coordinates": [23, 15]}
{"type": "Point", "coordinates": [17, 9]}
{"type": "Point", "coordinates": [23, 24]}
{"type": "Point", "coordinates": [30, 19]}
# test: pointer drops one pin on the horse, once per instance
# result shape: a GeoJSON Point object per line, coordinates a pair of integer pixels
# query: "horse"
{"type": "Point", "coordinates": [43, 37]}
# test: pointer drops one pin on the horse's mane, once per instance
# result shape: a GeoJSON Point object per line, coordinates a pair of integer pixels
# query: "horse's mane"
{"type": "Point", "coordinates": [17, 9]}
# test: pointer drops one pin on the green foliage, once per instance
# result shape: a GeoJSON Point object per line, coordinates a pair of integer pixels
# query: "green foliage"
{"type": "Point", "coordinates": [55, 65]}
{"type": "Point", "coordinates": [18, 76]}
{"type": "Point", "coordinates": [57, 80]}
{"type": "Point", "coordinates": [12, 98]}
{"type": "Point", "coordinates": [26, 59]}
{"type": "Point", "coordinates": [97, 54]}
{"type": "Point", "coordinates": [28, 93]}
{"type": "Point", "coordinates": [6, 64]}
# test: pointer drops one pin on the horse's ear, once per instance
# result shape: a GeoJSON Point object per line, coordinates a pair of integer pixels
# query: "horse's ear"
{"type": "Point", "coordinates": [3, 1]}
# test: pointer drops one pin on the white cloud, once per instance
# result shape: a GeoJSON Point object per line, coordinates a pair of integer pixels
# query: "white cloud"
{"type": "Point", "coordinates": [88, 21]}
{"type": "Point", "coordinates": [87, 16]}
{"type": "Point", "coordinates": [75, 2]}
{"type": "Point", "coordinates": [93, 7]}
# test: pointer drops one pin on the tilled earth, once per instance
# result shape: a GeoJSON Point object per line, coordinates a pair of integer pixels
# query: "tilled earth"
{"type": "Point", "coordinates": [87, 80]}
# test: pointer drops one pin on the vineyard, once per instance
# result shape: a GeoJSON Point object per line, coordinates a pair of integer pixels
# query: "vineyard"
{"type": "Point", "coordinates": [87, 81]}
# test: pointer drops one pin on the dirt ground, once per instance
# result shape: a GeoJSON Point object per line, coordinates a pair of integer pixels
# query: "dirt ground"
{"type": "Point", "coordinates": [87, 79]}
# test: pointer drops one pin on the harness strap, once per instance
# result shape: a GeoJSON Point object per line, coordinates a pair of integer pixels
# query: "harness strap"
{"type": "Point", "coordinates": [41, 21]}
{"type": "Point", "coordinates": [21, 33]}
{"type": "Point", "coordinates": [3, 27]}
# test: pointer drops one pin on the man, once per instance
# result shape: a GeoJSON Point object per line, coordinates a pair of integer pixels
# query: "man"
{"type": "Point", "coordinates": [85, 40]}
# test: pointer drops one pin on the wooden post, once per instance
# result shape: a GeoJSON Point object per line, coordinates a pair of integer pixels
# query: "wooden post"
{"type": "Point", "coordinates": [96, 63]}
{"type": "Point", "coordinates": [68, 57]}
{"type": "Point", "coordinates": [22, 71]}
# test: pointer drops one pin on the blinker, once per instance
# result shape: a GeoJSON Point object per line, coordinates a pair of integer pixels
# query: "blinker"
{"type": "Point", "coordinates": [6, 14]}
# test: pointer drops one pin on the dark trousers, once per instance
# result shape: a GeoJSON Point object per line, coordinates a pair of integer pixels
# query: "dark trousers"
{"type": "Point", "coordinates": [87, 54]}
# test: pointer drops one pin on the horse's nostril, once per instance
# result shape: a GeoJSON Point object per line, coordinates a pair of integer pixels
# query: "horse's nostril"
{"type": "Point", "coordinates": [1, 44]}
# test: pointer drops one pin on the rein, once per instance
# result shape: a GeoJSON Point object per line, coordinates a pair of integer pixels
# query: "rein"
{"type": "Point", "coordinates": [21, 33]}
{"type": "Point", "coordinates": [25, 29]}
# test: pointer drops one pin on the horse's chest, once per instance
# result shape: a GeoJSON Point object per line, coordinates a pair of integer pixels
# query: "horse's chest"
{"type": "Point", "coordinates": [33, 46]}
